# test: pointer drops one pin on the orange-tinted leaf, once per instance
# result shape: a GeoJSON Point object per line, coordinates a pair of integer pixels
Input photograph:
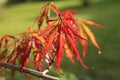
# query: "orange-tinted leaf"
{"type": "Point", "coordinates": [83, 42]}
{"type": "Point", "coordinates": [69, 53]}
{"type": "Point", "coordinates": [37, 49]}
{"type": "Point", "coordinates": [91, 35]}
{"type": "Point", "coordinates": [47, 14]}
{"type": "Point", "coordinates": [91, 23]}
{"type": "Point", "coordinates": [36, 61]}
{"type": "Point", "coordinates": [39, 19]}
{"type": "Point", "coordinates": [40, 38]}
{"type": "Point", "coordinates": [54, 8]}
{"type": "Point", "coordinates": [49, 42]}
{"type": "Point", "coordinates": [40, 22]}
{"type": "Point", "coordinates": [48, 28]}
{"type": "Point", "coordinates": [6, 40]}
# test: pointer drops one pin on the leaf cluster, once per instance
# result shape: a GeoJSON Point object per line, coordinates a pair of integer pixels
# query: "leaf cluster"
{"type": "Point", "coordinates": [48, 46]}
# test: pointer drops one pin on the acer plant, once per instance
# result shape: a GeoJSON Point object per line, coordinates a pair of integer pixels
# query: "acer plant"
{"type": "Point", "coordinates": [47, 46]}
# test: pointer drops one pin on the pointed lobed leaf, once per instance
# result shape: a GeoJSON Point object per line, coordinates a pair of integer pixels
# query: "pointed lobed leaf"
{"type": "Point", "coordinates": [6, 40]}
{"type": "Point", "coordinates": [25, 57]}
{"type": "Point", "coordinates": [49, 27]}
{"type": "Point", "coordinates": [83, 42]}
{"type": "Point", "coordinates": [74, 31]}
{"type": "Point", "coordinates": [59, 52]}
{"type": "Point", "coordinates": [91, 35]}
{"type": "Point", "coordinates": [37, 63]}
{"type": "Point", "coordinates": [25, 63]}
{"type": "Point", "coordinates": [91, 23]}
{"type": "Point", "coordinates": [49, 42]}
{"type": "Point", "coordinates": [40, 18]}
{"type": "Point", "coordinates": [75, 51]}
{"type": "Point", "coordinates": [19, 53]}
{"type": "Point", "coordinates": [68, 31]}
{"type": "Point", "coordinates": [54, 8]}
{"type": "Point", "coordinates": [3, 55]}
{"type": "Point", "coordinates": [69, 53]}
{"type": "Point", "coordinates": [21, 47]}
{"type": "Point", "coordinates": [40, 38]}
{"type": "Point", "coordinates": [37, 53]}
{"type": "Point", "coordinates": [68, 15]}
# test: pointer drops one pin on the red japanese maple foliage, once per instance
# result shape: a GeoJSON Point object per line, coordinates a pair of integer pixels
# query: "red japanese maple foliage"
{"type": "Point", "coordinates": [49, 45]}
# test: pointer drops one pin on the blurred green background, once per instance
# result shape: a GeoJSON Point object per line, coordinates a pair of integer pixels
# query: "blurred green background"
{"type": "Point", "coordinates": [16, 17]}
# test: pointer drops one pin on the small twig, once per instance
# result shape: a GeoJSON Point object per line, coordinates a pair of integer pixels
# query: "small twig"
{"type": "Point", "coordinates": [47, 69]}
{"type": "Point", "coordinates": [28, 71]}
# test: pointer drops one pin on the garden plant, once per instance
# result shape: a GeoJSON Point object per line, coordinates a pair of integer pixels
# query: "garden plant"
{"type": "Point", "coordinates": [45, 45]}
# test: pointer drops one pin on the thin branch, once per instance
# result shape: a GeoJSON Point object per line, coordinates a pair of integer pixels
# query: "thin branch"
{"type": "Point", "coordinates": [28, 71]}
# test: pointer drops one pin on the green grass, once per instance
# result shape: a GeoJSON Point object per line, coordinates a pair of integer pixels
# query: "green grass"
{"type": "Point", "coordinates": [17, 18]}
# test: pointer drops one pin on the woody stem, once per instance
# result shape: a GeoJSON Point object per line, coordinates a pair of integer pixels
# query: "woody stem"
{"type": "Point", "coordinates": [28, 71]}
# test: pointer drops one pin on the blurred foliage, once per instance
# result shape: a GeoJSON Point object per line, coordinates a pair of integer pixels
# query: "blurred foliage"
{"type": "Point", "coordinates": [21, 1]}
{"type": "Point", "coordinates": [86, 3]}
{"type": "Point", "coordinates": [16, 1]}
{"type": "Point", "coordinates": [68, 76]}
